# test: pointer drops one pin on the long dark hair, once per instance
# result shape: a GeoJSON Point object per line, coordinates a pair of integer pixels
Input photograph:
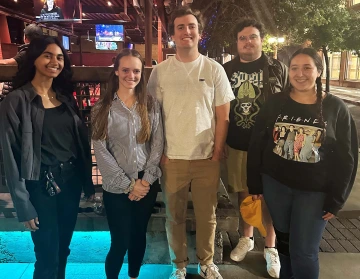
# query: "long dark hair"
{"type": "Point", "coordinates": [99, 117]}
{"type": "Point", "coordinates": [319, 91]}
{"type": "Point", "coordinates": [62, 83]}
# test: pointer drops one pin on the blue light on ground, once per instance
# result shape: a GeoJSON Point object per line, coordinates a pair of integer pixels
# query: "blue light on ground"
{"type": "Point", "coordinates": [86, 260]}
{"type": "Point", "coordinates": [86, 247]}
{"type": "Point", "coordinates": [86, 271]}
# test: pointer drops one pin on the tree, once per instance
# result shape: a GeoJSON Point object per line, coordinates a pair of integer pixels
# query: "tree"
{"type": "Point", "coordinates": [352, 37]}
{"type": "Point", "coordinates": [327, 24]}
{"type": "Point", "coordinates": [221, 17]}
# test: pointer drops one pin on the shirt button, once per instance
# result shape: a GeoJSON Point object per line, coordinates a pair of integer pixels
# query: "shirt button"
{"type": "Point", "coordinates": [134, 161]}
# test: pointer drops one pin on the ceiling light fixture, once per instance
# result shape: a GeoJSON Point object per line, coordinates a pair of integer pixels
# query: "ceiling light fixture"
{"type": "Point", "coordinates": [109, 3]}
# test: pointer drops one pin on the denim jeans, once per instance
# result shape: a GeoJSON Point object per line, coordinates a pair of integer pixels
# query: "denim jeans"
{"type": "Point", "coordinates": [297, 219]}
{"type": "Point", "coordinates": [57, 218]}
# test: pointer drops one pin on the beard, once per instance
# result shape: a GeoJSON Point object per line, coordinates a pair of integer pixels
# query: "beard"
{"type": "Point", "coordinates": [249, 57]}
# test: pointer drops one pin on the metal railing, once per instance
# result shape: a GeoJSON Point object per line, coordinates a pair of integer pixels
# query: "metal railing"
{"type": "Point", "coordinates": [90, 82]}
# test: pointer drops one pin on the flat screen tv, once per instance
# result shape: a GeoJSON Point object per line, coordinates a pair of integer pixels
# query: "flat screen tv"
{"type": "Point", "coordinates": [57, 10]}
{"type": "Point", "coordinates": [66, 42]}
{"type": "Point", "coordinates": [109, 33]}
{"type": "Point", "coordinates": [106, 45]}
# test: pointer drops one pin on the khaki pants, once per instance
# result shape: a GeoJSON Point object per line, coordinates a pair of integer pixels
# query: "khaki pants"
{"type": "Point", "coordinates": [203, 177]}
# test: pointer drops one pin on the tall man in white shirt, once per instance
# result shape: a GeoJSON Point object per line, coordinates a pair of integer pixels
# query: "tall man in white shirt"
{"type": "Point", "coordinates": [195, 96]}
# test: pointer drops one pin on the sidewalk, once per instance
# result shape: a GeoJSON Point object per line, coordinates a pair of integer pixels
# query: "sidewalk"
{"type": "Point", "coordinates": [332, 266]}
{"type": "Point", "coordinates": [348, 95]}
{"type": "Point", "coordinates": [351, 96]}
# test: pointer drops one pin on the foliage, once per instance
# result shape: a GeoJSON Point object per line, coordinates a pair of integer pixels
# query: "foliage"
{"type": "Point", "coordinates": [323, 22]}
{"type": "Point", "coordinates": [221, 17]}
{"type": "Point", "coordinates": [326, 23]}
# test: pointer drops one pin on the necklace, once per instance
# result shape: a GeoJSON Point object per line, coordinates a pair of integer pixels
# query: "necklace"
{"type": "Point", "coordinates": [47, 96]}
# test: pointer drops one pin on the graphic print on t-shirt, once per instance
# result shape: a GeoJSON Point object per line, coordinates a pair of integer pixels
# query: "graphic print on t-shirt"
{"type": "Point", "coordinates": [297, 142]}
{"type": "Point", "coordinates": [247, 90]}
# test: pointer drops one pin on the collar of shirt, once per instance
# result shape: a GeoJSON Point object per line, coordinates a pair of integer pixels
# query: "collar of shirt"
{"type": "Point", "coordinates": [31, 94]}
{"type": "Point", "coordinates": [116, 97]}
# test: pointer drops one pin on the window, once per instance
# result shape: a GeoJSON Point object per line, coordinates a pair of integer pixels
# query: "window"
{"type": "Point", "coordinates": [354, 67]}
{"type": "Point", "coordinates": [335, 59]}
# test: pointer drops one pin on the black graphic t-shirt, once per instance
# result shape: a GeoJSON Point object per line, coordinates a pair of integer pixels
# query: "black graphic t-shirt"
{"type": "Point", "coordinates": [247, 84]}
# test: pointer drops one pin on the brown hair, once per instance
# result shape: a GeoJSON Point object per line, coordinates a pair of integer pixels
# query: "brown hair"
{"type": "Point", "coordinates": [100, 112]}
{"type": "Point", "coordinates": [183, 11]}
{"type": "Point", "coordinates": [249, 22]}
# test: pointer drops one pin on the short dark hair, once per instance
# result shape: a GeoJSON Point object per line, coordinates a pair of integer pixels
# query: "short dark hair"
{"type": "Point", "coordinates": [247, 22]}
{"type": "Point", "coordinates": [32, 31]}
{"type": "Point", "coordinates": [183, 11]}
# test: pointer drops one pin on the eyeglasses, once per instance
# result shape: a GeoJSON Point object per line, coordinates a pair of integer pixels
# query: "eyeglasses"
{"type": "Point", "coordinates": [252, 37]}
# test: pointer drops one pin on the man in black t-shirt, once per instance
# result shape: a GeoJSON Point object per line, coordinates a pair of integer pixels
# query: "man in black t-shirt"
{"type": "Point", "coordinates": [31, 32]}
{"type": "Point", "coordinates": [253, 77]}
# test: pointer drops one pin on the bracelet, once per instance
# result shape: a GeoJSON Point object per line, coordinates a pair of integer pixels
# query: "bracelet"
{"type": "Point", "coordinates": [131, 186]}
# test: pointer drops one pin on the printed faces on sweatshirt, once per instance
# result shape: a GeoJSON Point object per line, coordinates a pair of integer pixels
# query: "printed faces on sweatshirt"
{"type": "Point", "coordinates": [297, 138]}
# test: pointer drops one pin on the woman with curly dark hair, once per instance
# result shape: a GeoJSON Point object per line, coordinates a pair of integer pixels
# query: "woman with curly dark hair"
{"type": "Point", "coordinates": [47, 154]}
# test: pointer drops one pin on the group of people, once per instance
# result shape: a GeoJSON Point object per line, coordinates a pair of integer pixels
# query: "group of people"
{"type": "Point", "coordinates": [192, 114]}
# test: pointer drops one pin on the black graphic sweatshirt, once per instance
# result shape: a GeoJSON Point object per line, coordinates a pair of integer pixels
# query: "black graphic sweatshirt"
{"type": "Point", "coordinates": [310, 159]}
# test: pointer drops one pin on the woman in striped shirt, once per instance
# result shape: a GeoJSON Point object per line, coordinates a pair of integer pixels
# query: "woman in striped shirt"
{"type": "Point", "coordinates": [127, 134]}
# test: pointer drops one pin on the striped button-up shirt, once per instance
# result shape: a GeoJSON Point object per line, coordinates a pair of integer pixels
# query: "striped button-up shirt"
{"type": "Point", "coordinates": [120, 157]}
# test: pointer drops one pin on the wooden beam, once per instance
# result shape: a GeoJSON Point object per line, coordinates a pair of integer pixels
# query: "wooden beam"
{"type": "Point", "coordinates": [106, 10]}
{"type": "Point", "coordinates": [148, 32]}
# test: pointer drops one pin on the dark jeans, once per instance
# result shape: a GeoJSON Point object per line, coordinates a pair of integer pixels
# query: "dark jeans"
{"type": "Point", "coordinates": [57, 217]}
{"type": "Point", "coordinates": [128, 222]}
{"type": "Point", "coordinates": [298, 224]}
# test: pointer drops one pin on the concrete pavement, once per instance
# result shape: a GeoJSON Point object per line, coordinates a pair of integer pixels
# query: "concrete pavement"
{"type": "Point", "coordinates": [351, 96]}
{"type": "Point", "coordinates": [348, 95]}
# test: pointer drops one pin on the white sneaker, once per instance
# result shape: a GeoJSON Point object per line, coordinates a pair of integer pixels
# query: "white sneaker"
{"type": "Point", "coordinates": [178, 273]}
{"type": "Point", "coordinates": [245, 245]}
{"type": "Point", "coordinates": [272, 262]}
{"type": "Point", "coordinates": [209, 271]}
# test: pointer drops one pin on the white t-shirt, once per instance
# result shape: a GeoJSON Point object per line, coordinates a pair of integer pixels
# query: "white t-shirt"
{"type": "Point", "coordinates": [189, 93]}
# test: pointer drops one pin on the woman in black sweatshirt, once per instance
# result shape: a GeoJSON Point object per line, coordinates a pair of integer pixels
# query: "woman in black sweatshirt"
{"type": "Point", "coordinates": [303, 196]}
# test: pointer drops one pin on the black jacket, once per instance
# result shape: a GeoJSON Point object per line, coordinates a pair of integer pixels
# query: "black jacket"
{"type": "Point", "coordinates": [275, 74]}
{"type": "Point", "coordinates": [21, 121]}
{"type": "Point", "coordinates": [340, 146]}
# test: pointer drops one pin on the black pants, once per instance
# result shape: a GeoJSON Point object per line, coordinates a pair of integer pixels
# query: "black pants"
{"type": "Point", "coordinates": [57, 217]}
{"type": "Point", "coordinates": [127, 223]}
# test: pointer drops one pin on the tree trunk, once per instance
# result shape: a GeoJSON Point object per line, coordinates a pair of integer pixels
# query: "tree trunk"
{"type": "Point", "coordinates": [327, 69]}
